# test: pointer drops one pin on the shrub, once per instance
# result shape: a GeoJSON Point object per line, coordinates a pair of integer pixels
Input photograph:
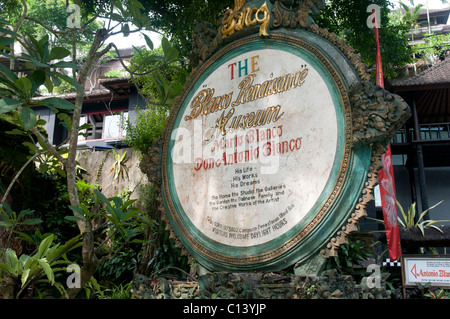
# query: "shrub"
{"type": "Point", "coordinates": [149, 125]}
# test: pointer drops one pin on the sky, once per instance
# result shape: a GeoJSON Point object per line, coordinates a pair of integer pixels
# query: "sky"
{"type": "Point", "coordinates": [135, 39]}
{"type": "Point", "coordinates": [433, 4]}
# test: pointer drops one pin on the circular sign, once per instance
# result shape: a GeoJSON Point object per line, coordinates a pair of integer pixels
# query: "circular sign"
{"type": "Point", "coordinates": [255, 154]}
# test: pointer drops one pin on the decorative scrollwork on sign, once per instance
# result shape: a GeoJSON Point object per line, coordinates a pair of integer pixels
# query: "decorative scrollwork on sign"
{"type": "Point", "coordinates": [291, 13]}
{"type": "Point", "coordinates": [238, 18]}
{"type": "Point", "coordinates": [203, 35]}
{"type": "Point", "coordinates": [377, 114]}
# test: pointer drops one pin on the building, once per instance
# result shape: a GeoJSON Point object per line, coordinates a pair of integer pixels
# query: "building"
{"type": "Point", "coordinates": [438, 24]}
{"type": "Point", "coordinates": [421, 150]}
{"type": "Point", "coordinates": [107, 103]}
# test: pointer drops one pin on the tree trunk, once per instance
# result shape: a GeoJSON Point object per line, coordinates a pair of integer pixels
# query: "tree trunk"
{"type": "Point", "coordinates": [90, 261]}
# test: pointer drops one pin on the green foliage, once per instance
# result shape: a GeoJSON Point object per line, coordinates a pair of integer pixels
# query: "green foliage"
{"type": "Point", "coordinates": [348, 19]}
{"type": "Point", "coordinates": [437, 293]}
{"type": "Point", "coordinates": [176, 18]}
{"type": "Point", "coordinates": [349, 255]}
{"type": "Point", "coordinates": [113, 74]}
{"type": "Point", "coordinates": [148, 126]}
{"type": "Point", "coordinates": [409, 219]}
{"type": "Point", "coordinates": [120, 267]}
{"type": "Point", "coordinates": [167, 257]}
{"type": "Point", "coordinates": [120, 291]}
{"type": "Point", "coordinates": [17, 92]}
{"type": "Point", "coordinates": [120, 220]}
{"type": "Point", "coordinates": [57, 20]}
{"type": "Point", "coordinates": [32, 268]}
{"type": "Point", "coordinates": [118, 167]}
{"type": "Point", "coordinates": [11, 220]}
{"type": "Point", "coordinates": [159, 73]}
{"type": "Point", "coordinates": [434, 48]}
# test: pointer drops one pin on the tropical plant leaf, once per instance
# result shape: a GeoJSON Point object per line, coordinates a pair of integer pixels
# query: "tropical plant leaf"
{"type": "Point", "coordinates": [69, 80]}
{"type": "Point", "coordinates": [44, 246]}
{"type": "Point", "coordinates": [170, 53]}
{"type": "Point", "coordinates": [24, 85]}
{"type": "Point", "coordinates": [25, 274]}
{"type": "Point", "coordinates": [47, 269]}
{"type": "Point", "coordinates": [64, 64]}
{"type": "Point", "coordinates": [7, 105]}
{"type": "Point", "coordinates": [28, 118]}
{"type": "Point", "coordinates": [148, 41]}
{"type": "Point", "coordinates": [58, 103]}
{"type": "Point", "coordinates": [77, 210]}
{"type": "Point", "coordinates": [58, 53]}
{"type": "Point", "coordinates": [37, 78]}
{"type": "Point", "coordinates": [8, 73]}
{"type": "Point", "coordinates": [32, 221]}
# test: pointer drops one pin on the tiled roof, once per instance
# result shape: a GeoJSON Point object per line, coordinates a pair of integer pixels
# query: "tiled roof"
{"type": "Point", "coordinates": [438, 74]}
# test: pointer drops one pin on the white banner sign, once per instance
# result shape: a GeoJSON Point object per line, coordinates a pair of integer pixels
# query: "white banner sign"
{"type": "Point", "coordinates": [432, 269]}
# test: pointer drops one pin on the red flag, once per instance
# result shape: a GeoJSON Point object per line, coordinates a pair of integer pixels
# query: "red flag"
{"type": "Point", "coordinates": [386, 175]}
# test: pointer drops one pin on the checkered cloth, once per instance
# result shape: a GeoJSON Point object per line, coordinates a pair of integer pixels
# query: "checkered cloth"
{"type": "Point", "coordinates": [390, 263]}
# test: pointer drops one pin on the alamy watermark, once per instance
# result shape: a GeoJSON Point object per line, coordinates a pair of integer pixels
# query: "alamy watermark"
{"type": "Point", "coordinates": [74, 19]}
{"type": "Point", "coordinates": [374, 20]}
{"type": "Point", "coordinates": [374, 280]}
{"type": "Point", "coordinates": [74, 280]}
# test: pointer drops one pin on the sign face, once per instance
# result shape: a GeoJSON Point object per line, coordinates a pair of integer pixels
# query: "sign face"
{"type": "Point", "coordinates": [264, 147]}
{"type": "Point", "coordinates": [432, 269]}
{"type": "Point", "coordinates": [255, 152]}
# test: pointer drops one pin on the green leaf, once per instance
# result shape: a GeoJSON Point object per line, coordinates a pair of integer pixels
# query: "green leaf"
{"type": "Point", "coordinates": [102, 197]}
{"type": "Point", "coordinates": [170, 53]}
{"type": "Point", "coordinates": [6, 224]}
{"type": "Point", "coordinates": [32, 221]}
{"type": "Point", "coordinates": [7, 268]}
{"type": "Point", "coordinates": [28, 118]}
{"type": "Point", "coordinates": [126, 30]}
{"type": "Point", "coordinates": [24, 84]}
{"type": "Point", "coordinates": [77, 210]}
{"type": "Point", "coordinates": [148, 41]}
{"type": "Point", "coordinates": [44, 44]}
{"type": "Point", "coordinates": [25, 274]}
{"type": "Point", "coordinates": [57, 53]}
{"type": "Point", "coordinates": [35, 61]}
{"type": "Point", "coordinates": [7, 31]}
{"type": "Point", "coordinates": [47, 269]}
{"type": "Point", "coordinates": [37, 78]}
{"type": "Point", "coordinates": [70, 80]}
{"type": "Point", "coordinates": [6, 41]}
{"type": "Point", "coordinates": [7, 105]}
{"type": "Point", "coordinates": [12, 260]}
{"type": "Point", "coordinates": [56, 80]}
{"type": "Point", "coordinates": [37, 46]}
{"type": "Point", "coordinates": [73, 218]}
{"type": "Point", "coordinates": [8, 73]}
{"type": "Point", "coordinates": [44, 246]}
{"type": "Point", "coordinates": [57, 103]}
{"type": "Point", "coordinates": [48, 83]}
{"type": "Point", "coordinates": [116, 17]}
{"type": "Point", "coordinates": [31, 147]}
{"type": "Point", "coordinates": [65, 119]}
{"type": "Point", "coordinates": [64, 64]}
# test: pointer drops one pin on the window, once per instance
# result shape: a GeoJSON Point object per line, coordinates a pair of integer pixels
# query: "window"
{"type": "Point", "coordinates": [103, 125]}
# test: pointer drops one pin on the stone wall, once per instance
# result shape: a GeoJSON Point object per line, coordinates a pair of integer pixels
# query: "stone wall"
{"type": "Point", "coordinates": [329, 285]}
{"type": "Point", "coordinates": [101, 167]}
